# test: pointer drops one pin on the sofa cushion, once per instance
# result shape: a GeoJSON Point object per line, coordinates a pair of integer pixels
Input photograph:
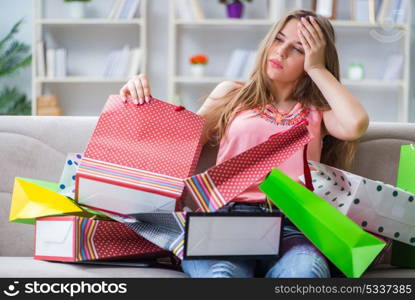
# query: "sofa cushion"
{"type": "Point", "coordinates": [29, 267]}
{"type": "Point", "coordinates": [17, 239]}
{"type": "Point", "coordinates": [377, 155]}
{"type": "Point", "coordinates": [36, 147]}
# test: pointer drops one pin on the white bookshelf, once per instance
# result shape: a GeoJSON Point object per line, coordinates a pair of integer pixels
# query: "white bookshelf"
{"type": "Point", "coordinates": [137, 21]}
{"type": "Point", "coordinates": [253, 22]}
{"type": "Point", "coordinates": [373, 91]}
{"type": "Point", "coordinates": [89, 41]}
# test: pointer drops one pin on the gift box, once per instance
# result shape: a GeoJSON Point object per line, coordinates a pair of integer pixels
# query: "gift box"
{"type": "Point", "coordinates": [138, 156]}
{"type": "Point", "coordinates": [403, 255]}
{"type": "Point", "coordinates": [232, 235]}
{"type": "Point", "coordinates": [375, 206]}
{"type": "Point", "coordinates": [343, 242]}
{"type": "Point", "coordinates": [218, 185]}
{"type": "Point", "coordinates": [74, 239]}
{"type": "Point", "coordinates": [67, 179]}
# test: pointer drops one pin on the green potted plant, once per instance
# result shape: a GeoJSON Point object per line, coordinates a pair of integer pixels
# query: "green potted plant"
{"type": "Point", "coordinates": [77, 8]}
{"type": "Point", "coordinates": [234, 8]}
{"type": "Point", "coordinates": [14, 56]}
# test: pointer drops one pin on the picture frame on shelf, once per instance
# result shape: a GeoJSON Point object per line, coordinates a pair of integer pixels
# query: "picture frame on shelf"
{"type": "Point", "coordinates": [325, 8]}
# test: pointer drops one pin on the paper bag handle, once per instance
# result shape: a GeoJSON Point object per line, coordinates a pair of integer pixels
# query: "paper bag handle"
{"type": "Point", "coordinates": [307, 173]}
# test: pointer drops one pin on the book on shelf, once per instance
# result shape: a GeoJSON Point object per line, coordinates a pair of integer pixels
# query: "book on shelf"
{"type": "Point", "coordinates": [379, 11]}
{"type": "Point", "coordinates": [391, 11]}
{"type": "Point", "coordinates": [121, 67]}
{"type": "Point", "coordinates": [393, 67]}
{"type": "Point", "coordinates": [60, 65]}
{"type": "Point", "coordinates": [378, 5]}
{"type": "Point", "coordinates": [124, 9]}
{"type": "Point", "coordinates": [40, 59]}
{"type": "Point", "coordinates": [325, 8]}
{"type": "Point", "coordinates": [189, 10]}
{"type": "Point", "coordinates": [276, 9]}
{"type": "Point", "coordinates": [363, 10]}
{"type": "Point", "coordinates": [50, 62]}
{"type": "Point", "coordinates": [114, 8]}
{"type": "Point", "coordinates": [135, 62]}
{"type": "Point", "coordinates": [249, 65]}
{"type": "Point", "coordinates": [399, 11]}
{"type": "Point", "coordinates": [237, 62]}
{"type": "Point", "coordinates": [372, 11]}
{"type": "Point", "coordinates": [55, 62]}
{"type": "Point", "coordinates": [123, 62]}
{"type": "Point", "coordinates": [197, 9]}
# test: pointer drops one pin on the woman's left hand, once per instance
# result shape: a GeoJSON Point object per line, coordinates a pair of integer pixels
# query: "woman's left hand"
{"type": "Point", "coordinates": [313, 42]}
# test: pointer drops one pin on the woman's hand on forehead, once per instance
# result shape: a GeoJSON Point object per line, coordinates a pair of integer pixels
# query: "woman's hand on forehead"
{"type": "Point", "coordinates": [314, 43]}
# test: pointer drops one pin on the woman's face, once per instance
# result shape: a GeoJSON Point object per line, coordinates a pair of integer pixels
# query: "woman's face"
{"type": "Point", "coordinates": [287, 53]}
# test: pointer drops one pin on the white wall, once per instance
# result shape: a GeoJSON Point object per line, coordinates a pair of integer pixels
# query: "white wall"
{"type": "Point", "coordinates": [12, 11]}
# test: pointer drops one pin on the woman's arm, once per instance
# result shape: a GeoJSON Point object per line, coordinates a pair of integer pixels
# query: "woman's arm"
{"type": "Point", "coordinates": [219, 91]}
{"type": "Point", "coordinates": [347, 120]}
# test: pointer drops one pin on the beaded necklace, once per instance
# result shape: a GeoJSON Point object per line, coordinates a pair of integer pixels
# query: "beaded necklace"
{"type": "Point", "coordinates": [273, 115]}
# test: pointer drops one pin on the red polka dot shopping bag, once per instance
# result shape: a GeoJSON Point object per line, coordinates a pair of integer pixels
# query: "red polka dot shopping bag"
{"type": "Point", "coordinates": [220, 184]}
{"type": "Point", "coordinates": [138, 156]}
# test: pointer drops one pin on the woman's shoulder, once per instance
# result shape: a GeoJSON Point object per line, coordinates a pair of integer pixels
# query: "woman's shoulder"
{"type": "Point", "coordinates": [217, 95]}
{"type": "Point", "coordinates": [225, 87]}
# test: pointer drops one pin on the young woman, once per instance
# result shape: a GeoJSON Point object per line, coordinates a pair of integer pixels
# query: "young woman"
{"type": "Point", "coordinates": [296, 76]}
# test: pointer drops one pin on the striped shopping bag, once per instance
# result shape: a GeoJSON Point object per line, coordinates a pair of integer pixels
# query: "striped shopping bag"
{"type": "Point", "coordinates": [75, 239]}
{"type": "Point", "coordinates": [218, 185]}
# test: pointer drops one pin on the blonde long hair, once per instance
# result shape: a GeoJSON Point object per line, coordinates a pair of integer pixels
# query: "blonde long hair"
{"type": "Point", "coordinates": [256, 92]}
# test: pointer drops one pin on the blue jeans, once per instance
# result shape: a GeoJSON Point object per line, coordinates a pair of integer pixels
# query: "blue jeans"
{"type": "Point", "coordinates": [299, 258]}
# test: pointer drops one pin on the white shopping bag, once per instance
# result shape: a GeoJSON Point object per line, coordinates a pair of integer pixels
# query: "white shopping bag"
{"type": "Point", "coordinates": [55, 238]}
{"type": "Point", "coordinates": [68, 176]}
{"type": "Point", "coordinates": [102, 196]}
{"type": "Point", "coordinates": [376, 206]}
{"type": "Point", "coordinates": [232, 234]}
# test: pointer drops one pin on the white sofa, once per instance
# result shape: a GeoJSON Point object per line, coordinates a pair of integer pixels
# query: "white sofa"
{"type": "Point", "coordinates": [36, 147]}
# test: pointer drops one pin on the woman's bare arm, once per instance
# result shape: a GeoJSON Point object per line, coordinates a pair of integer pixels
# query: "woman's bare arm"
{"type": "Point", "coordinates": [219, 91]}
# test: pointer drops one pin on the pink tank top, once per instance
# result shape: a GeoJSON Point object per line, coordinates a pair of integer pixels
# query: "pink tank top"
{"type": "Point", "coordinates": [250, 128]}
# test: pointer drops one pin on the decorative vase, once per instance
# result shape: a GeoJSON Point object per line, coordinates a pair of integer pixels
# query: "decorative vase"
{"type": "Point", "coordinates": [235, 10]}
{"type": "Point", "coordinates": [77, 9]}
{"type": "Point", "coordinates": [356, 71]}
{"type": "Point", "coordinates": [197, 70]}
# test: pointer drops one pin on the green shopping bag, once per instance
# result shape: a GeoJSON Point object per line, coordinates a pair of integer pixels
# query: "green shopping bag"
{"type": "Point", "coordinates": [342, 241]}
{"type": "Point", "coordinates": [403, 255]}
